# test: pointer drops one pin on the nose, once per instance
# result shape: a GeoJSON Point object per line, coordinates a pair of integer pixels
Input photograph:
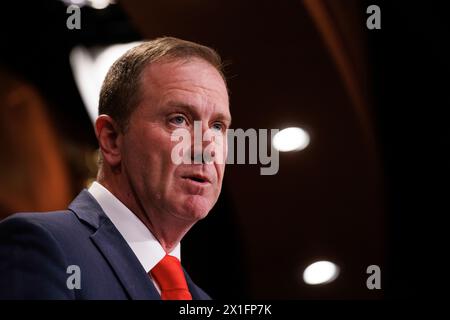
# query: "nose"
{"type": "Point", "coordinates": [204, 147]}
{"type": "Point", "coordinates": [198, 145]}
{"type": "Point", "coordinates": [197, 156]}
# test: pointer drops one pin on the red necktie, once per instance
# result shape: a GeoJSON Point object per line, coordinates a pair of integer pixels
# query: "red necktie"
{"type": "Point", "coordinates": [169, 275]}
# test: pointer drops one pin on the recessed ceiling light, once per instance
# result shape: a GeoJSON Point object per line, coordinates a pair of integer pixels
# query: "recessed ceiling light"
{"type": "Point", "coordinates": [320, 272]}
{"type": "Point", "coordinates": [96, 4]}
{"type": "Point", "coordinates": [291, 139]}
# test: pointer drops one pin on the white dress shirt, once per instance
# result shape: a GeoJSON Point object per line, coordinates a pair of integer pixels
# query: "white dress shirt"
{"type": "Point", "coordinates": [143, 243]}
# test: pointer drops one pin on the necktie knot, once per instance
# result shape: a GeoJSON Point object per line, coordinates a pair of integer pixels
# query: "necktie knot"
{"type": "Point", "coordinates": [169, 275]}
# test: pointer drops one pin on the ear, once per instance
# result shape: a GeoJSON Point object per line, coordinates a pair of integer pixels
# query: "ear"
{"type": "Point", "coordinates": [109, 139]}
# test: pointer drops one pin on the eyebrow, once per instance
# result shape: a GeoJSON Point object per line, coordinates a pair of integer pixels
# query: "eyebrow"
{"type": "Point", "coordinates": [192, 109]}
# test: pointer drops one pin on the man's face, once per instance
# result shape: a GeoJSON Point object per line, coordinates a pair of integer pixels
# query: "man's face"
{"type": "Point", "coordinates": [174, 95]}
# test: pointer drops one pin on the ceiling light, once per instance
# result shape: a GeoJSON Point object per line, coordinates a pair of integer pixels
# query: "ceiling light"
{"type": "Point", "coordinates": [89, 68]}
{"type": "Point", "coordinates": [291, 139]}
{"type": "Point", "coordinates": [320, 272]}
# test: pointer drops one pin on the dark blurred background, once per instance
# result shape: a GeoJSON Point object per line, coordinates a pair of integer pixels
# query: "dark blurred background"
{"type": "Point", "coordinates": [370, 189]}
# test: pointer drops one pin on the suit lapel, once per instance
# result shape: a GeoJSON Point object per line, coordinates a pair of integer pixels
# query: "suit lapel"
{"type": "Point", "coordinates": [124, 262]}
{"type": "Point", "coordinates": [119, 255]}
{"type": "Point", "coordinates": [114, 248]}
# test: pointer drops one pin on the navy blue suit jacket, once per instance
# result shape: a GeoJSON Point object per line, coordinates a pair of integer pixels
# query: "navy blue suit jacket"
{"type": "Point", "coordinates": [36, 250]}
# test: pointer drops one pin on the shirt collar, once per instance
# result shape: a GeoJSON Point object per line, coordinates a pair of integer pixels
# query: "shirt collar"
{"type": "Point", "coordinates": [140, 239]}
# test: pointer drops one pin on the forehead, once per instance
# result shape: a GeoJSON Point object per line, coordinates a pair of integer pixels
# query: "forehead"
{"type": "Point", "coordinates": [188, 79]}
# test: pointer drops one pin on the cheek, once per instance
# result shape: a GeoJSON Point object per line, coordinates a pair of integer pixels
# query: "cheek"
{"type": "Point", "coordinates": [148, 155]}
{"type": "Point", "coordinates": [156, 151]}
{"type": "Point", "coordinates": [152, 143]}
{"type": "Point", "coordinates": [141, 154]}
{"type": "Point", "coordinates": [220, 169]}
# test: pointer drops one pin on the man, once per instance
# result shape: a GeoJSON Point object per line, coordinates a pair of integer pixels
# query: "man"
{"type": "Point", "coordinates": [120, 239]}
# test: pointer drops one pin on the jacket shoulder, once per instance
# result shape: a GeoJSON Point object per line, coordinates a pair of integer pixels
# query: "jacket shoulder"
{"type": "Point", "coordinates": [32, 262]}
{"type": "Point", "coordinates": [39, 218]}
{"type": "Point", "coordinates": [58, 223]}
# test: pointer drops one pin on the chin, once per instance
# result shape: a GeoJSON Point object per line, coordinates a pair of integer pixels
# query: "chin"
{"type": "Point", "coordinates": [196, 207]}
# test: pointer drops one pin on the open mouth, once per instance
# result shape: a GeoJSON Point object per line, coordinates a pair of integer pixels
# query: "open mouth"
{"type": "Point", "coordinates": [197, 178]}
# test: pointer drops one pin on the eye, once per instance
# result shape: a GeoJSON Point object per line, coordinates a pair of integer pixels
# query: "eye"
{"type": "Point", "coordinates": [178, 120]}
{"type": "Point", "coordinates": [218, 126]}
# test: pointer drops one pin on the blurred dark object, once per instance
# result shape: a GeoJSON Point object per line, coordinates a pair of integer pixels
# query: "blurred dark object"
{"type": "Point", "coordinates": [33, 172]}
{"type": "Point", "coordinates": [410, 67]}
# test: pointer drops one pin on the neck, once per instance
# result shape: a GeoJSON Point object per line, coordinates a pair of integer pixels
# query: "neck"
{"type": "Point", "coordinates": [167, 228]}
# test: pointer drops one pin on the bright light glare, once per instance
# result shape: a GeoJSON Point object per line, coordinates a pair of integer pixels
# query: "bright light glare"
{"type": "Point", "coordinates": [291, 139]}
{"type": "Point", "coordinates": [99, 4]}
{"type": "Point", "coordinates": [75, 2]}
{"type": "Point", "coordinates": [320, 272]}
{"type": "Point", "coordinates": [90, 67]}
{"type": "Point", "coordinates": [96, 4]}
